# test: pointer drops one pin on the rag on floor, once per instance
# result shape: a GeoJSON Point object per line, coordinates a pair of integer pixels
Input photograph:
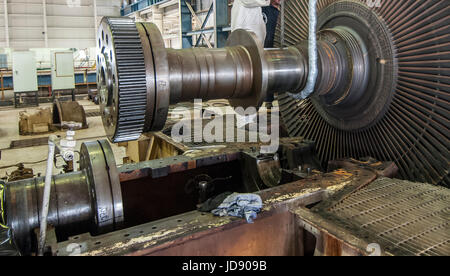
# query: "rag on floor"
{"type": "Point", "coordinates": [240, 205]}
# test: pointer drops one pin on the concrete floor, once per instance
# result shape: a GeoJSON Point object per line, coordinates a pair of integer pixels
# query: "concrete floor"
{"type": "Point", "coordinates": [9, 130]}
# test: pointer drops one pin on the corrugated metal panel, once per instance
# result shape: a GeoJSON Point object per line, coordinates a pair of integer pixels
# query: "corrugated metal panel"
{"type": "Point", "coordinates": [70, 23]}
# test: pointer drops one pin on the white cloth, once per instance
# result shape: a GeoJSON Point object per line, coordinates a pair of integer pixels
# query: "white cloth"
{"type": "Point", "coordinates": [247, 15]}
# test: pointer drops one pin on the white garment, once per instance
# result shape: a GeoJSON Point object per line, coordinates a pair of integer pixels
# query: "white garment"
{"type": "Point", "coordinates": [247, 15]}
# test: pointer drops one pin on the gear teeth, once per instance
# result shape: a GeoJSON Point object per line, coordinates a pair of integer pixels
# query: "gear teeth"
{"type": "Point", "coordinates": [132, 89]}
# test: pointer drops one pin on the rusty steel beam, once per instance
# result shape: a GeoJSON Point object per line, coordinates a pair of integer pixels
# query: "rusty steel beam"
{"type": "Point", "coordinates": [163, 167]}
{"type": "Point", "coordinates": [331, 240]}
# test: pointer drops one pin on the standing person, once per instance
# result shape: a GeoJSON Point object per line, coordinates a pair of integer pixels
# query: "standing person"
{"type": "Point", "coordinates": [270, 15]}
{"type": "Point", "coordinates": [247, 15]}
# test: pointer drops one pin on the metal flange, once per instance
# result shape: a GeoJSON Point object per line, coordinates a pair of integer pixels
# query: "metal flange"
{"type": "Point", "coordinates": [160, 75]}
{"type": "Point", "coordinates": [260, 72]}
{"type": "Point", "coordinates": [97, 160]}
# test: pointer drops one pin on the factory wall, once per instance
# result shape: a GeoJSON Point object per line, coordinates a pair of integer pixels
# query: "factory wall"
{"type": "Point", "coordinates": [83, 58]}
{"type": "Point", "coordinates": [26, 24]}
{"type": "Point", "coordinates": [166, 16]}
{"type": "Point", "coordinates": [46, 25]}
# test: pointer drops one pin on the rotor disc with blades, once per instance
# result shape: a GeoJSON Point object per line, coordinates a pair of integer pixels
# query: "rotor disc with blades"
{"type": "Point", "coordinates": [413, 131]}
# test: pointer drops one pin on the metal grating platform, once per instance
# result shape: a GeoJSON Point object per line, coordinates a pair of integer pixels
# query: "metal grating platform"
{"type": "Point", "coordinates": [411, 218]}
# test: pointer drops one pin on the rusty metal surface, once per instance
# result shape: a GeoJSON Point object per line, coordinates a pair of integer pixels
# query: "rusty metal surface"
{"type": "Point", "coordinates": [20, 173]}
{"type": "Point", "coordinates": [151, 199]}
{"type": "Point", "coordinates": [403, 217]}
{"type": "Point", "coordinates": [191, 159]}
{"type": "Point", "coordinates": [33, 142]}
{"type": "Point", "coordinates": [35, 121]}
{"type": "Point", "coordinates": [160, 188]}
{"type": "Point", "coordinates": [272, 235]}
{"type": "Point", "coordinates": [163, 167]}
{"type": "Point", "coordinates": [331, 239]}
{"type": "Point", "coordinates": [196, 233]}
{"type": "Point", "coordinates": [386, 169]}
{"type": "Point", "coordinates": [64, 112]}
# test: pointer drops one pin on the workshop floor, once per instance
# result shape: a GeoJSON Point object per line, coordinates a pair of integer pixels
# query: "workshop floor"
{"type": "Point", "coordinates": [9, 131]}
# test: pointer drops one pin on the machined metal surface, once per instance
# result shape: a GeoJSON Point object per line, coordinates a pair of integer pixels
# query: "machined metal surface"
{"type": "Point", "coordinates": [287, 69]}
{"type": "Point", "coordinates": [69, 210]}
{"type": "Point", "coordinates": [161, 77]}
{"type": "Point", "coordinates": [97, 161]}
{"type": "Point", "coordinates": [209, 74]}
{"type": "Point", "coordinates": [403, 113]}
{"type": "Point", "coordinates": [121, 78]}
{"type": "Point", "coordinates": [88, 200]}
{"type": "Point", "coordinates": [260, 74]}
